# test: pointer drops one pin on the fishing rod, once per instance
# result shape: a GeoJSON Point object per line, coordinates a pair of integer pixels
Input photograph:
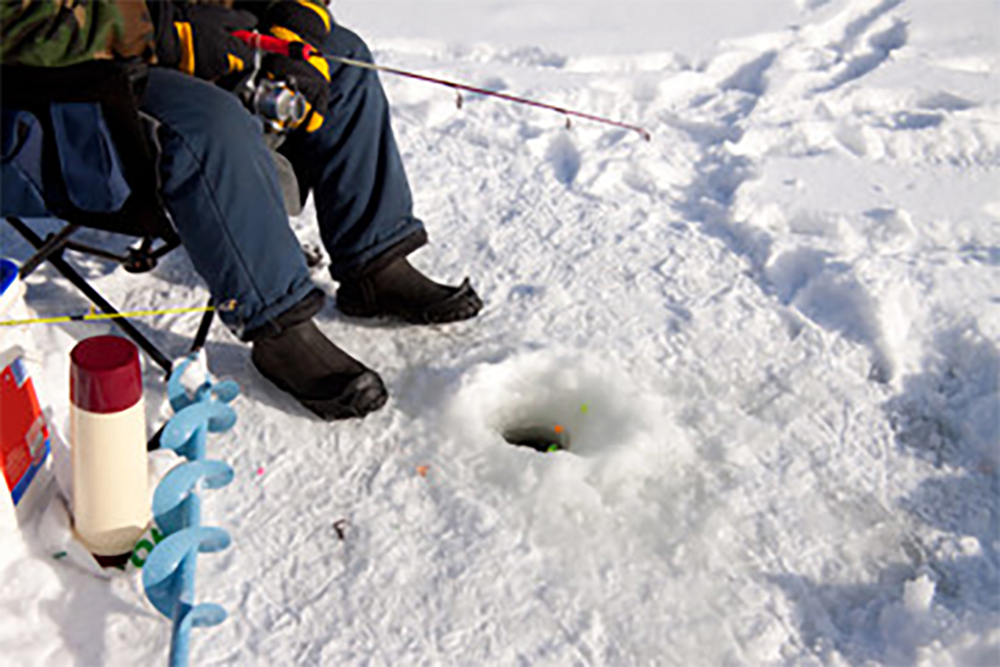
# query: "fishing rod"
{"type": "Point", "coordinates": [303, 51]}
{"type": "Point", "coordinates": [92, 316]}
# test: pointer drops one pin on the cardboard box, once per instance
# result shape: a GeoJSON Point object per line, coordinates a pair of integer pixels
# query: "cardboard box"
{"type": "Point", "coordinates": [24, 434]}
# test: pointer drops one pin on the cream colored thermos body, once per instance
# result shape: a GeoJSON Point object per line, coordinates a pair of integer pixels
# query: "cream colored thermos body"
{"type": "Point", "coordinates": [111, 502]}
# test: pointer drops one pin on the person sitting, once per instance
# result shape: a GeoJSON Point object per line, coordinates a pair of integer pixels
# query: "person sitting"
{"type": "Point", "coordinates": [221, 188]}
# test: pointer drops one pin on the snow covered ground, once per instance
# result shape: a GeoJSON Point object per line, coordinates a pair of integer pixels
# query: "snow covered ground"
{"type": "Point", "coordinates": [771, 332]}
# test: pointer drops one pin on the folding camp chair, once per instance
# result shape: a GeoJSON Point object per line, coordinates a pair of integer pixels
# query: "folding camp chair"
{"type": "Point", "coordinates": [90, 108]}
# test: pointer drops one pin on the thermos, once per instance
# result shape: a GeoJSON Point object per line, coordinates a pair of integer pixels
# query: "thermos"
{"type": "Point", "coordinates": [111, 502]}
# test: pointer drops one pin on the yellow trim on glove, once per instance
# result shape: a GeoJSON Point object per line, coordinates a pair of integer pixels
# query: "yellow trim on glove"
{"type": "Point", "coordinates": [235, 63]}
{"type": "Point", "coordinates": [315, 122]}
{"type": "Point", "coordinates": [312, 120]}
{"type": "Point", "coordinates": [319, 62]}
{"type": "Point", "coordinates": [323, 14]}
{"type": "Point", "coordinates": [186, 37]}
{"type": "Point", "coordinates": [285, 34]}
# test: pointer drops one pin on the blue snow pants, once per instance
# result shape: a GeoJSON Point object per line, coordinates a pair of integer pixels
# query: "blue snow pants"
{"type": "Point", "coordinates": [222, 190]}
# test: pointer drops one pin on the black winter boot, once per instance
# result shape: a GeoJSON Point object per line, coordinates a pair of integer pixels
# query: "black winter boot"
{"type": "Point", "coordinates": [399, 290]}
{"type": "Point", "coordinates": [299, 359]}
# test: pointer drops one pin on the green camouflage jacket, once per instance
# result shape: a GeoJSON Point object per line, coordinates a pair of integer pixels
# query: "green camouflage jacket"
{"type": "Point", "coordinates": [56, 33]}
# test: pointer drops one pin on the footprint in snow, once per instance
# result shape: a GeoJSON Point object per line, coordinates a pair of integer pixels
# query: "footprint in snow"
{"type": "Point", "coordinates": [565, 159]}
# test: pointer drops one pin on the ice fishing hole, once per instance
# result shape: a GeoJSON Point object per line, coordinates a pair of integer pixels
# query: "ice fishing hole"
{"type": "Point", "coordinates": [544, 438]}
{"type": "Point", "coordinates": [583, 406]}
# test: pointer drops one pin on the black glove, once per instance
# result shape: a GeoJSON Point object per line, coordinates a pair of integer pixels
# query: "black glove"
{"type": "Point", "coordinates": [201, 42]}
{"type": "Point", "coordinates": [298, 21]}
{"type": "Point", "coordinates": [309, 22]}
{"type": "Point", "coordinates": [312, 82]}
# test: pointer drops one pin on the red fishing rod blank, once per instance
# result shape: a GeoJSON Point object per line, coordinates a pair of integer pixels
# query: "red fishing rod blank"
{"type": "Point", "coordinates": [302, 51]}
{"type": "Point", "coordinates": [284, 47]}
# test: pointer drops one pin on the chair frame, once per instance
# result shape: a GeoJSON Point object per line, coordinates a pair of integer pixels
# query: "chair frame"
{"type": "Point", "coordinates": [116, 86]}
{"type": "Point", "coordinates": [137, 260]}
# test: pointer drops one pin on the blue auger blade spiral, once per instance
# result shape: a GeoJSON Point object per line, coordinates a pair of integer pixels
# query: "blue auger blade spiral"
{"type": "Point", "coordinates": [162, 576]}
{"type": "Point", "coordinates": [200, 616]}
{"type": "Point", "coordinates": [168, 579]}
{"type": "Point", "coordinates": [224, 391]}
{"type": "Point", "coordinates": [169, 572]}
{"type": "Point", "coordinates": [183, 427]}
{"type": "Point", "coordinates": [186, 434]}
{"type": "Point", "coordinates": [204, 615]}
{"type": "Point", "coordinates": [169, 507]}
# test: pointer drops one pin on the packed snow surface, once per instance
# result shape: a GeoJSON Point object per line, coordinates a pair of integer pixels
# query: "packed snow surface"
{"type": "Point", "coordinates": [771, 334]}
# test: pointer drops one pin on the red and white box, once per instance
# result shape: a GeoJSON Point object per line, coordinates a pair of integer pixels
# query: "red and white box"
{"type": "Point", "coordinates": [24, 434]}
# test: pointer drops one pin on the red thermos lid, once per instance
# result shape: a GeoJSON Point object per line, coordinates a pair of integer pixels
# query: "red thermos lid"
{"type": "Point", "coordinates": [105, 375]}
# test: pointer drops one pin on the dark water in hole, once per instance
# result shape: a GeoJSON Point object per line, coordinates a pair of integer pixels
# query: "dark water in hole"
{"type": "Point", "coordinates": [546, 438]}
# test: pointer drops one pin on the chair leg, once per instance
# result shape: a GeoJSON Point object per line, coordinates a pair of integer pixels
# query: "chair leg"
{"type": "Point", "coordinates": [77, 280]}
{"type": "Point", "coordinates": [53, 245]}
{"type": "Point", "coordinates": [206, 324]}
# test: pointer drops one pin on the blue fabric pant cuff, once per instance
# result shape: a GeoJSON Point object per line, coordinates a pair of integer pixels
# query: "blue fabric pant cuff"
{"type": "Point", "coordinates": [411, 237]}
{"type": "Point", "coordinates": [301, 304]}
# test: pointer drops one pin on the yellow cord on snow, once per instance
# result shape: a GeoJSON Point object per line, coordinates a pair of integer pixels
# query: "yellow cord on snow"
{"type": "Point", "coordinates": [92, 316]}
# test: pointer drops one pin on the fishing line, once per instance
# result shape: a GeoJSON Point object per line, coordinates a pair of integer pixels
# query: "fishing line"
{"type": "Point", "coordinates": [303, 51]}
{"type": "Point", "coordinates": [92, 316]}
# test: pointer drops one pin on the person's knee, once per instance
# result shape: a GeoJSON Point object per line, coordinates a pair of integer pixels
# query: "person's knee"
{"type": "Point", "coordinates": [223, 120]}
{"type": "Point", "coordinates": [202, 114]}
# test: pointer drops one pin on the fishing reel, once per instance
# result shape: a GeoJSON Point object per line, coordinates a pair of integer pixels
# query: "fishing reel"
{"type": "Point", "coordinates": [280, 107]}
{"type": "Point", "coordinates": [277, 103]}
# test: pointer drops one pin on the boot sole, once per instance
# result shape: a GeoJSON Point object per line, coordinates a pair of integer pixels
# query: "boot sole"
{"type": "Point", "coordinates": [368, 394]}
{"type": "Point", "coordinates": [362, 395]}
{"type": "Point", "coordinates": [464, 304]}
